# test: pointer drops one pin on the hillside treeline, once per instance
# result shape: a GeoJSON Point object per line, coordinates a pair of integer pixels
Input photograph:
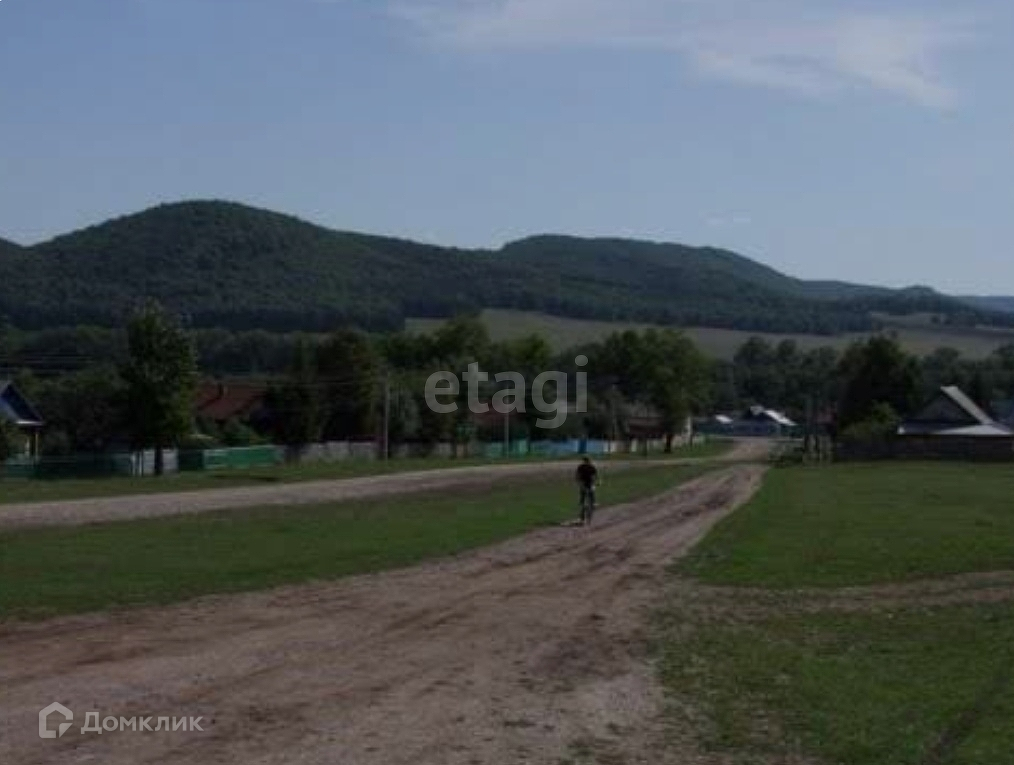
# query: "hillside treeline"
{"type": "Point", "coordinates": [224, 265]}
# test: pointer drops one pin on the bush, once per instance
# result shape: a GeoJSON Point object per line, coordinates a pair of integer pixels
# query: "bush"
{"type": "Point", "coordinates": [11, 441]}
{"type": "Point", "coordinates": [236, 433]}
{"type": "Point", "coordinates": [880, 426]}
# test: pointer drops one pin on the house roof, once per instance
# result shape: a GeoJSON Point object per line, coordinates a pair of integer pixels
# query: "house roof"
{"type": "Point", "coordinates": [771, 415]}
{"type": "Point", "coordinates": [982, 431]}
{"type": "Point", "coordinates": [222, 401]}
{"type": "Point", "coordinates": [953, 413]}
{"type": "Point", "coordinates": [15, 408]}
{"type": "Point", "coordinates": [955, 394]}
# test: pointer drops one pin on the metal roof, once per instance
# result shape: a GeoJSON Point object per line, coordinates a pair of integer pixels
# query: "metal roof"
{"type": "Point", "coordinates": [984, 426]}
{"type": "Point", "coordinates": [15, 408]}
{"type": "Point", "coordinates": [955, 394]}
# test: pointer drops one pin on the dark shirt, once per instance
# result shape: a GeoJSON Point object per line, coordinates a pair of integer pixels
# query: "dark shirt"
{"type": "Point", "coordinates": [586, 474]}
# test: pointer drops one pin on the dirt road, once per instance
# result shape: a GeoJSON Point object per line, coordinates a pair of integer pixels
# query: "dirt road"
{"type": "Point", "coordinates": [528, 652]}
{"type": "Point", "coordinates": [75, 512]}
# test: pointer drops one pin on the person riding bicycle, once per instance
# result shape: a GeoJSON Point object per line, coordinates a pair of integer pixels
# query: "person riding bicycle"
{"type": "Point", "coordinates": [587, 479]}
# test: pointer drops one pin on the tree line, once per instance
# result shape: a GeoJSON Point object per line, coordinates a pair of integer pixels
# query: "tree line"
{"type": "Point", "coordinates": [346, 384]}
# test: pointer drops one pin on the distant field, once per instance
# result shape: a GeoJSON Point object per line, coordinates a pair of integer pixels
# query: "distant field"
{"type": "Point", "coordinates": [917, 334]}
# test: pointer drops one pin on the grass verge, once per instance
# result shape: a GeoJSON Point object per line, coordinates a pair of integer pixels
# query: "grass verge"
{"type": "Point", "coordinates": [17, 491]}
{"type": "Point", "coordinates": [864, 524]}
{"type": "Point", "coordinates": [916, 687]}
{"type": "Point", "coordinates": [795, 677]}
{"type": "Point", "coordinates": [57, 571]}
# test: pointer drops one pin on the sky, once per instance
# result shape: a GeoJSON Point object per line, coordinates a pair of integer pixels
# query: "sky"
{"type": "Point", "coordinates": [848, 139]}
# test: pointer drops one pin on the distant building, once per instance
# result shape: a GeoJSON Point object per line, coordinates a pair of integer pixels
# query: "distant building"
{"type": "Point", "coordinates": [17, 410]}
{"type": "Point", "coordinates": [951, 413]}
{"type": "Point", "coordinates": [220, 402]}
{"type": "Point", "coordinates": [769, 416]}
{"type": "Point", "coordinates": [756, 421]}
{"type": "Point", "coordinates": [950, 427]}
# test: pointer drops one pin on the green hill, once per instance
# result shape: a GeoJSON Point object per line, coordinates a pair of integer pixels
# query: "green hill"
{"type": "Point", "coordinates": [9, 248]}
{"type": "Point", "coordinates": [225, 264]}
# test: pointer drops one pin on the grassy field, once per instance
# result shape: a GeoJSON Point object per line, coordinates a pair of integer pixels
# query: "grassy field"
{"type": "Point", "coordinates": [17, 490]}
{"type": "Point", "coordinates": [864, 524]}
{"type": "Point", "coordinates": [909, 688]}
{"type": "Point", "coordinates": [855, 675]}
{"type": "Point", "coordinates": [56, 571]}
{"type": "Point", "coordinates": [916, 334]}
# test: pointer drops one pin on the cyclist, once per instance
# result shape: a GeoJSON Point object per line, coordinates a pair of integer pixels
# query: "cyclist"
{"type": "Point", "coordinates": [587, 479]}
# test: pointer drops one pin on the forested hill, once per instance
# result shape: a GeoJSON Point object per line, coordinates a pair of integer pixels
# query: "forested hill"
{"type": "Point", "coordinates": [8, 248]}
{"type": "Point", "coordinates": [225, 264]}
{"type": "Point", "coordinates": [1002, 303]}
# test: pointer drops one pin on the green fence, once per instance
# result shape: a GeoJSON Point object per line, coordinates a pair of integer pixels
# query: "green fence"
{"type": "Point", "coordinates": [494, 451]}
{"type": "Point", "coordinates": [226, 459]}
{"type": "Point", "coordinates": [80, 466]}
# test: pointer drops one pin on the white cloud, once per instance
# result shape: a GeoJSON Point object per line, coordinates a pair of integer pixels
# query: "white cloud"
{"type": "Point", "coordinates": [786, 44]}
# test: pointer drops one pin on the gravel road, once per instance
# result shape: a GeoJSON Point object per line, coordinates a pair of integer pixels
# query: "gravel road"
{"type": "Point", "coordinates": [75, 512]}
{"type": "Point", "coordinates": [532, 651]}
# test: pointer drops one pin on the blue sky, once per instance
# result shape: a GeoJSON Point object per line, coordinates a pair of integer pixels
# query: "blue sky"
{"type": "Point", "coordinates": [869, 141]}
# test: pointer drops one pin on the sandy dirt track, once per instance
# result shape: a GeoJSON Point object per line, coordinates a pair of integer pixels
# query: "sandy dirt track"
{"type": "Point", "coordinates": [532, 651]}
{"type": "Point", "coordinates": [76, 512]}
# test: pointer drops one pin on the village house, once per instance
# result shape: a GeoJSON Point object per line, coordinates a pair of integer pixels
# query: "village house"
{"type": "Point", "coordinates": [220, 402]}
{"type": "Point", "coordinates": [951, 413]}
{"type": "Point", "coordinates": [952, 426]}
{"type": "Point", "coordinates": [17, 410]}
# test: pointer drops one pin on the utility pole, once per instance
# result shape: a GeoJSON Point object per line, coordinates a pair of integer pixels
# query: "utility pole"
{"type": "Point", "coordinates": [387, 415]}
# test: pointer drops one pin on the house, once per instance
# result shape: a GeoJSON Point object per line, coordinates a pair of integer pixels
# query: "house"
{"type": "Point", "coordinates": [951, 413]}
{"type": "Point", "coordinates": [770, 417]}
{"type": "Point", "coordinates": [220, 402]}
{"type": "Point", "coordinates": [17, 410]}
{"type": "Point", "coordinates": [953, 427]}
{"type": "Point", "coordinates": [758, 421]}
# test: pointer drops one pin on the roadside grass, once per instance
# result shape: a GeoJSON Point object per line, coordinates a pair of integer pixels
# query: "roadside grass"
{"type": "Point", "coordinates": [47, 572]}
{"type": "Point", "coordinates": [14, 491]}
{"type": "Point", "coordinates": [47, 490]}
{"type": "Point", "coordinates": [713, 447]}
{"type": "Point", "coordinates": [863, 524]}
{"type": "Point", "coordinates": [917, 687]}
{"type": "Point", "coordinates": [885, 682]}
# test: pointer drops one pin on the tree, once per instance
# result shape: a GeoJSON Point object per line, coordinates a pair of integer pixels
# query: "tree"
{"type": "Point", "coordinates": [461, 341]}
{"type": "Point", "coordinates": [11, 441]}
{"type": "Point", "coordinates": [84, 410]}
{"type": "Point", "coordinates": [662, 368]}
{"type": "Point", "coordinates": [296, 404]}
{"type": "Point", "coordinates": [880, 424]}
{"type": "Point", "coordinates": [348, 367]}
{"type": "Point", "coordinates": [237, 433]}
{"type": "Point", "coordinates": [675, 376]}
{"type": "Point", "coordinates": [757, 371]}
{"type": "Point", "coordinates": [874, 372]}
{"type": "Point", "coordinates": [160, 376]}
